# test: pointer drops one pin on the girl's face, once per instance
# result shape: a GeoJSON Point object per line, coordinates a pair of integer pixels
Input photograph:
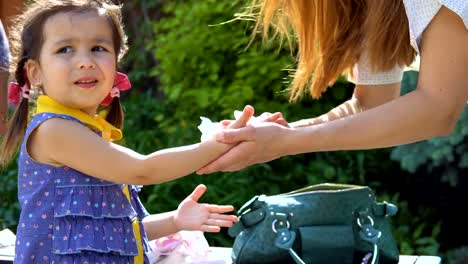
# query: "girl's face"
{"type": "Point", "coordinates": [77, 62]}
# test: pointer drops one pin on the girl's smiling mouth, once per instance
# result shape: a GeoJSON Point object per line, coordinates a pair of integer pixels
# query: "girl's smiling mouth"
{"type": "Point", "coordinates": [86, 82]}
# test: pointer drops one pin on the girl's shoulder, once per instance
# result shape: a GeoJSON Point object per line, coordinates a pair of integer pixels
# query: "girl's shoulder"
{"type": "Point", "coordinates": [40, 118]}
{"type": "Point", "coordinates": [27, 158]}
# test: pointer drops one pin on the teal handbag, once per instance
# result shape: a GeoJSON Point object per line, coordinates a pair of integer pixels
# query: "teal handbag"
{"type": "Point", "coordinates": [325, 223]}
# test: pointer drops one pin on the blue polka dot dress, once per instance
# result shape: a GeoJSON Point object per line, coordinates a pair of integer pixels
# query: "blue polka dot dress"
{"type": "Point", "coordinates": [70, 217]}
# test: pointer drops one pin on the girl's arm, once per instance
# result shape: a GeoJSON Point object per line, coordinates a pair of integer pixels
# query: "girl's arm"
{"type": "Point", "coordinates": [190, 215]}
{"type": "Point", "coordinates": [364, 97]}
{"type": "Point", "coordinates": [61, 142]}
{"type": "Point", "coordinates": [431, 110]}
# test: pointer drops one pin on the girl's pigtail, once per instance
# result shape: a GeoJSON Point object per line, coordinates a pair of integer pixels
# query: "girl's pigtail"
{"type": "Point", "coordinates": [115, 115]}
{"type": "Point", "coordinates": [15, 133]}
{"type": "Point", "coordinates": [18, 122]}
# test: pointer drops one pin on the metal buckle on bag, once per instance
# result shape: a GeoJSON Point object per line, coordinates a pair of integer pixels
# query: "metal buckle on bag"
{"type": "Point", "coordinates": [285, 237]}
{"type": "Point", "coordinates": [370, 234]}
{"type": "Point", "coordinates": [281, 219]}
{"type": "Point", "coordinates": [368, 217]}
{"type": "Point", "coordinates": [281, 223]}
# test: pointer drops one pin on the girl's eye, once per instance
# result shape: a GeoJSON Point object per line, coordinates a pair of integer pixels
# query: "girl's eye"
{"type": "Point", "coordinates": [99, 48]}
{"type": "Point", "coordinates": [65, 50]}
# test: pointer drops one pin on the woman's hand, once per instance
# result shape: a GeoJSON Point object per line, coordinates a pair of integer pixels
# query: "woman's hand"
{"type": "Point", "coordinates": [265, 117]}
{"type": "Point", "coordinates": [191, 215]}
{"type": "Point", "coordinates": [261, 142]}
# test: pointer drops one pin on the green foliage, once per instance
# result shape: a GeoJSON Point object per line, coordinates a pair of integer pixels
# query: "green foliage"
{"type": "Point", "coordinates": [457, 256]}
{"type": "Point", "coordinates": [204, 66]}
{"type": "Point", "coordinates": [9, 207]}
{"type": "Point", "coordinates": [411, 228]}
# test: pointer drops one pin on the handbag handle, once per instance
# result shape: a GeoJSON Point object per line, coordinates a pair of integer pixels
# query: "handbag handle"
{"type": "Point", "coordinates": [286, 236]}
{"type": "Point", "coordinates": [370, 234]}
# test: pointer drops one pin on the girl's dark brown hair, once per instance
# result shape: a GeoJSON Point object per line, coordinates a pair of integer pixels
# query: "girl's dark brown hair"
{"type": "Point", "coordinates": [115, 115]}
{"type": "Point", "coordinates": [26, 41]}
{"type": "Point", "coordinates": [332, 35]}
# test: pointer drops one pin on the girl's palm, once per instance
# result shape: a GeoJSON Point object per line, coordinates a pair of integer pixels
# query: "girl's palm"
{"type": "Point", "coordinates": [192, 215]}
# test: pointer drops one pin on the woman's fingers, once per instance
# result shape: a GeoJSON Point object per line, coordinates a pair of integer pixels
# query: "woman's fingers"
{"type": "Point", "coordinates": [236, 135]}
{"type": "Point", "coordinates": [234, 159]}
{"type": "Point", "coordinates": [244, 118]}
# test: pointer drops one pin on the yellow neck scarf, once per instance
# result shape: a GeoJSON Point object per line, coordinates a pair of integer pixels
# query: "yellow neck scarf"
{"type": "Point", "coordinates": [46, 104]}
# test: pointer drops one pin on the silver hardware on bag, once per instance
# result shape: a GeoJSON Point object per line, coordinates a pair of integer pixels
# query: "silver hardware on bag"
{"type": "Point", "coordinates": [273, 225]}
{"type": "Point", "coordinates": [371, 235]}
{"type": "Point", "coordinates": [370, 220]}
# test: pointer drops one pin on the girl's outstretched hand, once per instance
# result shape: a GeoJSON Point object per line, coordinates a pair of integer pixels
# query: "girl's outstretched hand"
{"type": "Point", "coordinates": [191, 215]}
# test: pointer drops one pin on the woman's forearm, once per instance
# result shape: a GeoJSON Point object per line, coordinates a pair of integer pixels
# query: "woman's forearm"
{"type": "Point", "coordinates": [416, 116]}
{"type": "Point", "coordinates": [347, 108]}
{"type": "Point", "coordinates": [365, 97]}
{"type": "Point", "coordinates": [431, 110]}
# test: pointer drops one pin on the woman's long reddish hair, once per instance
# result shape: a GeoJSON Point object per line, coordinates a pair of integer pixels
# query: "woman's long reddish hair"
{"type": "Point", "coordinates": [332, 35]}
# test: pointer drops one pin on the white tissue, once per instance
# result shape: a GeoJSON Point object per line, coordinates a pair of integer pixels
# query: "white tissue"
{"type": "Point", "coordinates": [208, 127]}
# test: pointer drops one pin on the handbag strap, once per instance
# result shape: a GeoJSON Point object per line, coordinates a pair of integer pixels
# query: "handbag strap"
{"type": "Point", "coordinates": [369, 234]}
{"type": "Point", "coordinates": [286, 237]}
{"type": "Point", "coordinates": [249, 218]}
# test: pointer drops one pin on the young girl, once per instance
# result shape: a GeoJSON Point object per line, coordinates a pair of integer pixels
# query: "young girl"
{"type": "Point", "coordinates": [76, 187]}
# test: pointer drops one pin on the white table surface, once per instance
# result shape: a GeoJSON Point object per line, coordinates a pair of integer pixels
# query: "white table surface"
{"type": "Point", "coordinates": [225, 253]}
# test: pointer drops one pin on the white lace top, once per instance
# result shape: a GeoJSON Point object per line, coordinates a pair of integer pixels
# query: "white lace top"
{"type": "Point", "coordinates": [420, 13]}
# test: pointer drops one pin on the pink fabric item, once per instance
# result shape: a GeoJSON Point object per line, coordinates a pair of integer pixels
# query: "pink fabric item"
{"type": "Point", "coordinates": [166, 245]}
{"type": "Point", "coordinates": [121, 83]}
{"type": "Point", "coordinates": [184, 247]}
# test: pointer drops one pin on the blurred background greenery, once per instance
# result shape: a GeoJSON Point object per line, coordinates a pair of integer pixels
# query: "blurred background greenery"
{"type": "Point", "coordinates": [191, 58]}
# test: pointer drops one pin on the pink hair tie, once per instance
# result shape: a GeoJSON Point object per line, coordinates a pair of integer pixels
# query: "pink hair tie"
{"type": "Point", "coordinates": [121, 83]}
{"type": "Point", "coordinates": [15, 92]}
{"type": "Point", "coordinates": [115, 92]}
